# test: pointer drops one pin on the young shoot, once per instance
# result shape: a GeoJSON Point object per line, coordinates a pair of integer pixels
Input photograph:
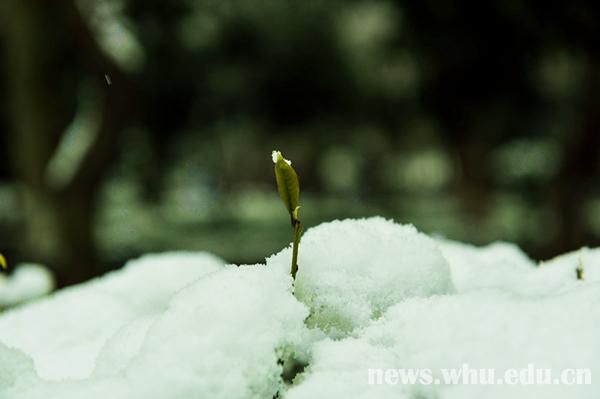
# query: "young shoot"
{"type": "Point", "coordinates": [289, 191]}
{"type": "Point", "coordinates": [3, 263]}
{"type": "Point", "coordinates": [579, 272]}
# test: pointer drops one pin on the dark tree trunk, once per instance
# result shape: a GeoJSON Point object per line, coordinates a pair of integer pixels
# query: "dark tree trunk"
{"type": "Point", "coordinates": [578, 175]}
{"type": "Point", "coordinates": [48, 49]}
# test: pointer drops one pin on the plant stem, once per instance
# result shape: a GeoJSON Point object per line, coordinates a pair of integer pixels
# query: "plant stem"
{"type": "Point", "coordinates": [579, 273]}
{"type": "Point", "coordinates": [297, 233]}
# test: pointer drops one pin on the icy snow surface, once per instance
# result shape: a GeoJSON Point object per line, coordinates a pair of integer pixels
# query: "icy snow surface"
{"type": "Point", "coordinates": [369, 294]}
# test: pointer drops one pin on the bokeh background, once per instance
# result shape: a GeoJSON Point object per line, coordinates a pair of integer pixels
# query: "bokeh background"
{"type": "Point", "coordinates": [131, 126]}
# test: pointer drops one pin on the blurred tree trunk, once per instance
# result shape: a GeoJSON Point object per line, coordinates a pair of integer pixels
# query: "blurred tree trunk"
{"type": "Point", "coordinates": [473, 182]}
{"type": "Point", "coordinates": [578, 175]}
{"type": "Point", "coordinates": [46, 46]}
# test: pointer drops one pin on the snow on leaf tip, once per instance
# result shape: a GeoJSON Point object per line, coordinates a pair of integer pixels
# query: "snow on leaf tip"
{"type": "Point", "coordinates": [287, 184]}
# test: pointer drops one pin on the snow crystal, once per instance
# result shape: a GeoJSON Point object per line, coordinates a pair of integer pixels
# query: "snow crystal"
{"type": "Point", "coordinates": [350, 271]}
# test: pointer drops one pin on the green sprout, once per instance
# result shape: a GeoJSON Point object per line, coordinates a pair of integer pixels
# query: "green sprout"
{"type": "Point", "coordinates": [579, 272]}
{"type": "Point", "coordinates": [289, 191]}
{"type": "Point", "coordinates": [3, 263]}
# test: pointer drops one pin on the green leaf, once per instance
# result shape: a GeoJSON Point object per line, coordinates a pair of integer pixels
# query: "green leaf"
{"type": "Point", "coordinates": [2, 262]}
{"type": "Point", "coordinates": [287, 184]}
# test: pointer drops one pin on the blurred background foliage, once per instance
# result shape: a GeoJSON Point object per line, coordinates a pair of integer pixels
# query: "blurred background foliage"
{"type": "Point", "coordinates": [130, 126]}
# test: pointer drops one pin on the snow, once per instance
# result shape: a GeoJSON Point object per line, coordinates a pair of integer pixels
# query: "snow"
{"type": "Point", "coordinates": [339, 369]}
{"type": "Point", "coordinates": [29, 281]}
{"type": "Point", "coordinates": [220, 337]}
{"type": "Point", "coordinates": [564, 266]}
{"type": "Point", "coordinates": [504, 266]}
{"type": "Point", "coordinates": [64, 332]}
{"type": "Point", "coordinates": [369, 293]}
{"type": "Point", "coordinates": [488, 330]}
{"type": "Point", "coordinates": [16, 370]}
{"type": "Point", "coordinates": [350, 271]}
{"type": "Point", "coordinates": [275, 156]}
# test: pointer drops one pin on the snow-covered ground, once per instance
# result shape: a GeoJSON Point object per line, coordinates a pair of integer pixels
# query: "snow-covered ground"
{"type": "Point", "coordinates": [369, 294]}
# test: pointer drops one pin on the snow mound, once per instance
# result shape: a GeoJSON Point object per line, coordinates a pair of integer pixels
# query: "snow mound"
{"type": "Point", "coordinates": [369, 294]}
{"type": "Point", "coordinates": [221, 337]}
{"type": "Point", "coordinates": [16, 369]}
{"type": "Point", "coordinates": [29, 281]}
{"type": "Point", "coordinates": [490, 330]}
{"type": "Point", "coordinates": [351, 271]}
{"type": "Point", "coordinates": [232, 327]}
{"type": "Point", "coordinates": [498, 265]}
{"type": "Point", "coordinates": [65, 332]}
{"type": "Point", "coordinates": [504, 266]}
{"type": "Point", "coordinates": [565, 265]}
{"type": "Point", "coordinates": [338, 369]}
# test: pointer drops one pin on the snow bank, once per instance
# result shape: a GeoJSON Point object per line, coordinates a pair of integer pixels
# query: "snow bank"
{"type": "Point", "coordinates": [564, 266]}
{"type": "Point", "coordinates": [351, 271]}
{"type": "Point", "coordinates": [64, 333]}
{"type": "Point", "coordinates": [484, 330]}
{"type": "Point", "coordinates": [504, 266]}
{"type": "Point", "coordinates": [338, 369]}
{"type": "Point", "coordinates": [29, 281]}
{"type": "Point", "coordinates": [222, 336]}
{"type": "Point", "coordinates": [369, 294]}
{"type": "Point", "coordinates": [231, 329]}
{"type": "Point", "coordinates": [498, 265]}
{"type": "Point", "coordinates": [16, 370]}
